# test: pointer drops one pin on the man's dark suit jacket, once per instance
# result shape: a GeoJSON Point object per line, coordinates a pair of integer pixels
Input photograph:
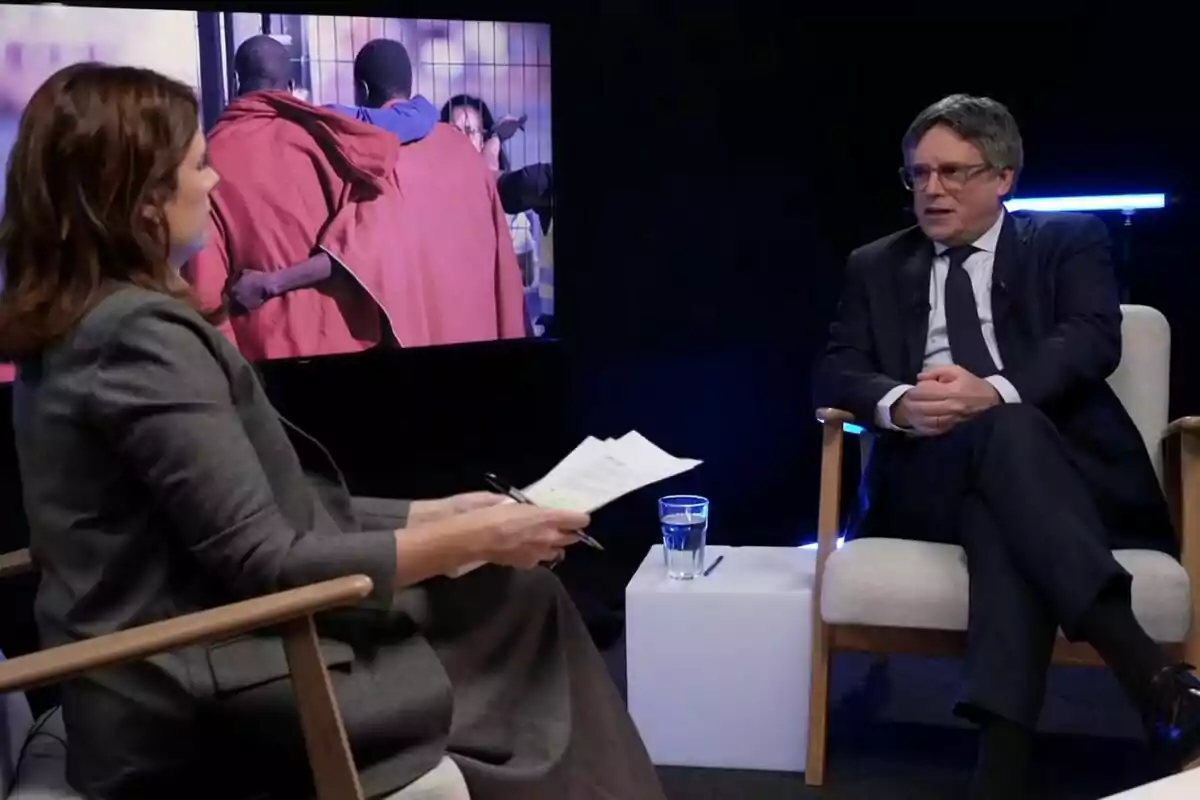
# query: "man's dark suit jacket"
{"type": "Point", "coordinates": [1057, 319]}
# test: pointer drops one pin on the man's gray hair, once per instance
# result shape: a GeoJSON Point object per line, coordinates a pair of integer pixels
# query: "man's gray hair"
{"type": "Point", "coordinates": [982, 121]}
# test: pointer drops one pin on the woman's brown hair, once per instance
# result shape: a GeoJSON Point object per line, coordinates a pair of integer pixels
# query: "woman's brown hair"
{"type": "Point", "coordinates": [95, 160]}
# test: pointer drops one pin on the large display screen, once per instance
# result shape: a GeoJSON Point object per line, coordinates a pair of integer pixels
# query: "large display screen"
{"type": "Point", "coordinates": [453, 244]}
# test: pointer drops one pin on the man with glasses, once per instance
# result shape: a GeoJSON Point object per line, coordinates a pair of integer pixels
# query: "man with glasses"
{"type": "Point", "coordinates": [977, 344]}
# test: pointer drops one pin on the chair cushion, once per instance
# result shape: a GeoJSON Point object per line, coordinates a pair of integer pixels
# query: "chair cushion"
{"type": "Point", "coordinates": [16, 719]}
{"type": "Point", "coordinates": [907, 584]}
{"type": "Point", "coordinates": [42, 774]}
{"type": "Point", "coordinates": [1143, 378]}
{"type": "Point", "coordinates": [443, 782]}
{"type": "Point", "coordinates": [33, 760]}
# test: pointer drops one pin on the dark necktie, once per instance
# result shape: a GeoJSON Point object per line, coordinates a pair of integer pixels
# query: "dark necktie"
{"type": "Point", "coordinates": [963, 328]}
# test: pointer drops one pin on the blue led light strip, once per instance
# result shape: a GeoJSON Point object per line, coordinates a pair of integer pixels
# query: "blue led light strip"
{"type": "Point", "coordinates": [1103, 202]}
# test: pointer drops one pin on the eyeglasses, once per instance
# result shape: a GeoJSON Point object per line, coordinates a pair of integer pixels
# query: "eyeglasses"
{"type": "Point", "coordinates": [951, 176]}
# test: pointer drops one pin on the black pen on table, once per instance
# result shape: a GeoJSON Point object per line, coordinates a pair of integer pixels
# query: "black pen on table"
{"type": "Point", "coordinates": [506, 488]}
{"type": "Point", "coordinates": [713, 566]}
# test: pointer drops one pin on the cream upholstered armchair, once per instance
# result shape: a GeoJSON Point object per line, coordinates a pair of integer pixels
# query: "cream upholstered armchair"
{"type": "Point", "coordinates": [33, 753]}
{"type": "Point", "coordinates": [884, 596]}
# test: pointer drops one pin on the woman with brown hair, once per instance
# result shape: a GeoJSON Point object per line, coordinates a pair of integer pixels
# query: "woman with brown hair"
{"type": "Point", "coordinates": [158, 480]}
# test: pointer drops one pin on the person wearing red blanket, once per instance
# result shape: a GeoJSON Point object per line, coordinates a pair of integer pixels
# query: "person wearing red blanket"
{"type": "Point", "coordinates": [455, 228]}
{"type": "Point", "coordinates": [309, 245]}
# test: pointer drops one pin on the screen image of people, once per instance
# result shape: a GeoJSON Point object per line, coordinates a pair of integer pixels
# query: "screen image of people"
{"type": "Point", "coordinates": [383, 182]}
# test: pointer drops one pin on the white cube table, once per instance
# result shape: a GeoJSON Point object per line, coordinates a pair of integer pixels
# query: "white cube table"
{"type": "Point", "coordinates": [718, 667]}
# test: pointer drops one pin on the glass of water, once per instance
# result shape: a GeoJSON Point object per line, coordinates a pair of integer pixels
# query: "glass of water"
{"type": "Point", "coordinates": [684, 520]}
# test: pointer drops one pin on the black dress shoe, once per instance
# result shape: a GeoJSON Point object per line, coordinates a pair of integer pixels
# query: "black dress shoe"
{"type": "Point", "coordinates": [1177, 723]}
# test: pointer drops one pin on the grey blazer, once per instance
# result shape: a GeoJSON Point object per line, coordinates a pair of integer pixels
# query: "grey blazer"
{"type": "Point", "coordinates": [158, 480]}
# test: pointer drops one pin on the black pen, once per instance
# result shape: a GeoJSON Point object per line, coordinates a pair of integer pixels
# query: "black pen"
{"type": "Point", "coordinates": [506, 488]}
{"type": "Point", "coordinates": [713, 565]}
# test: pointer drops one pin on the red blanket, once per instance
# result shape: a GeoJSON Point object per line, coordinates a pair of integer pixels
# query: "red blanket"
{"type": "Point", "coordinates": [287, 168]}
{"type": "Point", "coordinates": [453, 276]}
{"type": "Point", "coordinates": [419, 231]}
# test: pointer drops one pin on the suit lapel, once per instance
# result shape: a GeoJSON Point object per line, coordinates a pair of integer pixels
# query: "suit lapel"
{"type": "Point", "coordinates": [1006, 280]}
{"type": "Point", "coordinates": [913, 290]}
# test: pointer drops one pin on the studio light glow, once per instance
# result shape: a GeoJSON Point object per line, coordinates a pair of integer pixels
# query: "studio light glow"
{"type": "Point", "coordinates": [1126, 203]}
{"type": "Point", "coordinates": [813, 545]}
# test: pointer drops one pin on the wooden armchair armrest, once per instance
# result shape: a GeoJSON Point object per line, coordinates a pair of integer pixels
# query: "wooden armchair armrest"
{"type": "Point", "coordinates": [833, 416]}
{"type": "Point", "coordinates": [1183, 488]}
{"type": "Point", "coordinates": [69, 660]}
{"type": "Point", "coordinates": [833, 423]}
{"type": "Point", "coordinates": [334, 773]}
{"type": "Point", "coordinates": [17, 562]}
{"type": "Point", "coordinates": [1183, 425]}
{"type": "Point", "coordinates": [329, 756]}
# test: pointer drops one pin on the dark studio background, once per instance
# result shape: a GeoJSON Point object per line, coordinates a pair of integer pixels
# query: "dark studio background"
{"type": "Point", "coordinates": [714, 171]}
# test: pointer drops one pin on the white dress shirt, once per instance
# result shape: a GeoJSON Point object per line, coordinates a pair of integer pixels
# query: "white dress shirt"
{"type": "Point", "coordinates": [937, 341]}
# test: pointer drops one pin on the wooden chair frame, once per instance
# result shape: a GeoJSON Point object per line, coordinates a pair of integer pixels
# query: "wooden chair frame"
{"type": "Point", "coordinates": [882, 641]}
{"type": "Point", "coordinates": [334, 774]}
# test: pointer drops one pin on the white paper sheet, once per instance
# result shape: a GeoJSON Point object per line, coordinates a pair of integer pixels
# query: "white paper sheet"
{"type": "Point", "coordinates": [599, 471]}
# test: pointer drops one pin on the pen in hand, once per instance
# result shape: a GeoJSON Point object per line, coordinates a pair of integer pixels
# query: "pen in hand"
{"type": "Point", "coordinates": [507, 489]}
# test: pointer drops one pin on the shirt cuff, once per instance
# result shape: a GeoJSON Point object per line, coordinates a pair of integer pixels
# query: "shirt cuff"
{"type": "Point", "coordinates": [883, 409]}
{"type": "Point", "coordinates": [1008, 393]}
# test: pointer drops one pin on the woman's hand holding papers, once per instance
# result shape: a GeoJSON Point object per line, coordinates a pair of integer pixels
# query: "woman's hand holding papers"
{"type": "Point", "coordinates": [517, 535]}
{"type": "Point", "coordinates": [509, 534]}
{"type": "Point", "coordinates": [422, 512]}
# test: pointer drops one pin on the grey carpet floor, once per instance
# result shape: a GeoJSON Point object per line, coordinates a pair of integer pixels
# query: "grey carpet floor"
{"type": "Point", "coordinates": [892, 736]}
